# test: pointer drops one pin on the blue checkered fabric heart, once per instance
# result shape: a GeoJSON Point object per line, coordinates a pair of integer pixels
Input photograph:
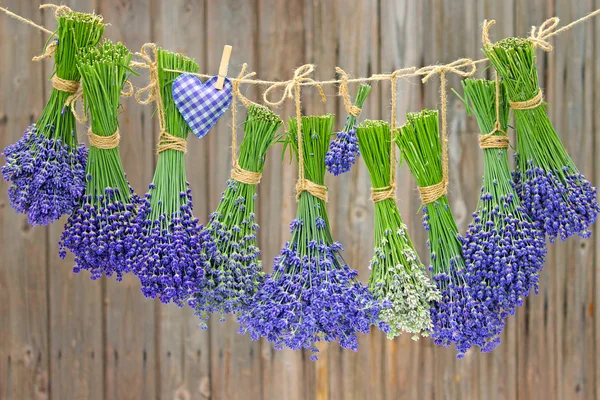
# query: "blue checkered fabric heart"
{"type": "Point", "coordinates": [201, 104]}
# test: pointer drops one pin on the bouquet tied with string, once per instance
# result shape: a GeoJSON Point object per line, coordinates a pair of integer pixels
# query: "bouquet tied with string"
{"type": "Point", "coordinates": [46, 167]}
{"type": "Point", "coordinates": [235, 274]}
{"type": "Point", "coordinates": [311, 295]}
{"type": "Point", "coordinates": [344, 150]}
{"type": "Point", "coordinates": [504, 250]}
{"type": "Point", "coordinates": [458, 318]}
{"type": "Point", "coordinates": [173, 249]}
{"type": "Point", "coordinates": [552, 189]}
{"type": "Point", "coordinates": [101, 230]}
{"type": "Point", "coordinates": [398, 278]}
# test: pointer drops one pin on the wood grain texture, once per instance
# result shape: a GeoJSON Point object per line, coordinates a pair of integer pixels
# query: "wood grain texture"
{"type": "Point", "coordinates": [63, 336]}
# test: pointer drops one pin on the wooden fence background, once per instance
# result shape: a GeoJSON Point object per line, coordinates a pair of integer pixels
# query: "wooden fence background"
{"type": "Point", "coordinates": [63, 336]}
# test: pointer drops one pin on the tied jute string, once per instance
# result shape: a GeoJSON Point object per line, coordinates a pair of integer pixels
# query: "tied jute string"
{"type": "Point", "coordinates": [343, 91]}
{"type": "Point", "coordinates": [149, 57]}
{"type": "Point", "coordinates": [104, 142]}
{"type": "Point", "coordinates": [491, 140]}
{"type": "Point", "coordinates": [463, 67]}
{"type": "Point", "coordinates": [389, 192]}
{"type": "Point", "coordinates": [292, 91]}
{"type": "Point", "coordinates": [238, 173]}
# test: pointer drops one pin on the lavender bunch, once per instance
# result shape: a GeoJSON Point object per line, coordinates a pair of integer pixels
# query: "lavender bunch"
{"type": "Point", "coordinates": [173, 249]}
{"type": "Point", "coordinates": [504, 250]}
{"type": "Point", "coordinates": [233, 277]}
{"type": "Point", "coordinates": [552, 190]}
{"type": "Point", "coordinates": [311, 295]}
{"type": "Point", "coordinates": [398, 278]}
{"type": "Point", "coordinates": [343, 151]}
{"type": "Point", "coordinates": [46, 167]}
{"type": "Point", "coordinates": [458, 317]}
{"type": "Point", "coordinates": [101, 230]}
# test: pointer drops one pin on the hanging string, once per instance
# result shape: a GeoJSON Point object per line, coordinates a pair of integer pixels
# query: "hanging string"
{"type": "Point", "coordinates": [343, 91]}
{"type": "Point", "coordinates": [463, 67]}
{"type": "Point", "coordinates": [238, 173]}
{"type": "Point", "coordinates": [491, 140]}
{"type": "Point", "coordinates": [149, 57]}
{"type": "Point", "coordinates": [292, 91]}
{"type": "Point", "coordinates": [104, 142]}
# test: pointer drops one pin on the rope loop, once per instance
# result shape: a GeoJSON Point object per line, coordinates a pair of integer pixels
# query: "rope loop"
{"type": "Point", "coordinates": [104, 142]}
{"type": "Point", "coordinates": [343, 91]}
{"type": "Point", "coordinates": [301, 77]}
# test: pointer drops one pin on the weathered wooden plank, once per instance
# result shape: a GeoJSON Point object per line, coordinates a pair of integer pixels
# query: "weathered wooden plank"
{"type": "Point", "coordinates": [130, 331]}
{"type": "Point", "coordinates": [536, 351]}
{"type": "Point", "coordinates": [282, 48]}
{"type": "Point", "coordinates": [75, 303]}
{"type": "Point", "coordinates": [593, 308]}
{"type": "Point", "coordinates": [183, 348]}
{"type": "Point", "coordinates": [235, 361]}
{"type": "Point", "coordinates": [24, 352]}
{"type": "Point", "coordinates": [572, 115]}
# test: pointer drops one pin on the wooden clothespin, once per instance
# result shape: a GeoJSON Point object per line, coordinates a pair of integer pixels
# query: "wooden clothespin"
{"type": "Point", "coordinates": [223, 67]}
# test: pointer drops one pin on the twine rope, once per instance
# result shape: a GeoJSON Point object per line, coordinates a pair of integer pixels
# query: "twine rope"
{"type": "Point", "coordinates": [104, 142]}
{"type": "Point", "coordinates": [534, 102]}
{"type": "Point", "coordinates": [238, 173]}
{"type": "Point", "coordinates": [491, 140]}
{"type": "Point", "coordinates": [292, 90]}
{"type": "Point", "coordinates": [65, 85]}
{"type": "Point", "coordinates": [343, 91]}
{"type": "Point", "coordinates": [149, 56]}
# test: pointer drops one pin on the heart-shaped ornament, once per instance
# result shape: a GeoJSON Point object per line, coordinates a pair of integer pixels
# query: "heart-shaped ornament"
{"type": "Point", "coordinates": [201, 104]}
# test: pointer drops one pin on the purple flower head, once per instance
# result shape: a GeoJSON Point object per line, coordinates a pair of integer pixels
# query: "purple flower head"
{"type": "Point", "coordinates": [172, 252]}
{"type": "Point", "coordinates": [101, 234]}
{"type": "Point", "coordinates": [563, 202]}
{"type": "Point", "coordinates": [47, 177]}
{"type": "Point", "coordinates": [343, 153]}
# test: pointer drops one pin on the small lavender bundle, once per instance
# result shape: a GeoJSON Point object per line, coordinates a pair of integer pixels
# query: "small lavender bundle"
{"type": "Point", "coordinates": [458, 317]}
{"type": "Point", "coordinates": [398, 278]}
{"type": "Point", "coordinates": [343, 151]}
{"type": "Point", "coordinates": [504, 250]}
{"type": "Point", "coordinates": [311, 295]}
{"type": "Point", "coordinates": [174, 249]}
{"type": "Point", "coordinates": [46, 167]}
{"type": "Point", "coordinates": [101, 230]}
{"type": "Point", "coordinates": [233, 277]}
{"type": "Point", "coordinates": [551, 188]}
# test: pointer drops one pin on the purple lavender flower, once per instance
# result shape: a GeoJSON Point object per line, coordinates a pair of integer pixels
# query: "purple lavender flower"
{"type": "Point", "coordinates": [172, 252]}
{"type": "Point", "coordinates": [311, 297]}
{"type": "Point", "coordinates": [343, 153]}
{"type": "Point", "coordinates": [563, 203]}
{"type": "Point", "coordinates": [101, 233]}
{"type": "Point", "coordinates": [47, 177]}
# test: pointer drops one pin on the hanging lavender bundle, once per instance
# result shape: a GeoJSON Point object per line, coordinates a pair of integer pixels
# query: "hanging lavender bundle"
{"type": "Point", "coordinates": [343, 151]}
{"type": "Point", "coordinates": [233, 277]}
{"type": "Point", "coordinates": [311, 295]}
{"type": "Point", "coordinates": [503, 249]}
{"type": "Point", "coordinates": [398, 278]}
{"type": "Point", "coordinates": [458, 317]}
{"type": "Point", "coordinates": [552, 190]}
{"type": "Point", "coordinates": [173, 249]}
{"type": "Point", "coordinates": [100, 232]}
{"type": "Point", "coordinates": [46, 167]}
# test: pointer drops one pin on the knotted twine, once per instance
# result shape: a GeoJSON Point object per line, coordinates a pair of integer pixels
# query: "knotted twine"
{"type": "Point", "coordinates": [464, 67]}
{"type": "Point", "coordinates": [238, 173]}
{"type": "Point", "coordinates": [104, 142]}
{"type": "Point", "coordinates": [491, 140]}
{"type": "Point", "coordinates": [389, 192]}
{"type": "Point", "coordinates": [149, 57]}
{"type": "Point", "coordinates": [292, 91]}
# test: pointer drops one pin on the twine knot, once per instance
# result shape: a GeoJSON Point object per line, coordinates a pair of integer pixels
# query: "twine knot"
{"type": "Point", "coordinates": [244, 176]}
{"type": "Point", "coordinates": [104, 142]}
{"type": "Point", "coordinates": [166, 141]}
{"type": "Point", "coordinates": [304, 185]}
{"type": "Point", "coordinates": [235, 86]}
{"type": "Point", "coordinates": [534, 102]}
{"type": "Point", "coordinates": [539, 35]}
{"type": "Point", "coordinates": [429, 194]}
{"type": "Point", "coordinates": [343, 91]}
{"type": "Point", "coordinates": [292, 87]}
{"type": "Point", "coordinates": [464, 67]}
{"type": "Point", "coordinates": [383, 193]}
